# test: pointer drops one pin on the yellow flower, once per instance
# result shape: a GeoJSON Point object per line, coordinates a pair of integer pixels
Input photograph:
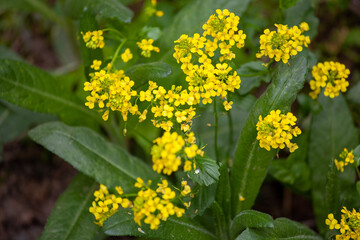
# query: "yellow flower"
{"type": "Point", "coordinates": [349, 225]}
{"type": "Point", "coordinates": [146, 46]}
{"type": "Point", "coordinates": [96, 65]}
{"type": "Point", "coordinates": [284, 42]}
{"type": "Point", "coordinates": [127, 55]}
{"type": "Point", "coordinates": [331, 76]}
{"type": "Point", "coordinates": [106, 204]}
{"type": "Point", "coordinates": [346, 158]}
{"type": "Point", "coordinates": [154, 206]}
{"type": "Point", "coordinates": [276, 130]}
{"type": "Point", "coordinates": [94, 39]}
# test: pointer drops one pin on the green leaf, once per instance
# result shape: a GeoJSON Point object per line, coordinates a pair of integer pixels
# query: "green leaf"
{"type": "Point", "coordinates": [303, 12]}
{"type": "Point", "coordinates": [220, 222]}
{"type": "Point", "coordinates": [6, 53]}
{"type": "Point", "coordinates": [122, 224]}
{"type": "Point", "coordinates": [142, 73]}
{"type": "Point", "coordinates": [356, 153]}
{"type": "Point", "coordinates": [354, 93]}
{"type": "Point", "coordinates": [88, 23]}
{"type": "Point", "coordinates": [287, 3]}
{"type": "Point", "coordinates": [251, 162]}
{"type": "Point", "coordinates": [108, 9]}
{"type": "Point", "coordinates": [223, 192]}
{"type": "Point", "coordinates": [91, 154]}
{"type": "Point", "coordinates": [332, 129]}
{"type": "Point", "coordinates": [358, 187]}
{"type": "Point", "coordinates": [36, 90]}
{"type": "Point", "coordinates": [252, 74]}
{"type": "Point", "coordinates": [204, 197]}
{"type": "Point", "coordinates": [294, 171]}
{"type": "Point", "coordinates": [250, 219]}
{"type": "Point", "coordinates": [15, 120]}
{"type": "Point", "coordinates": [206, 172]}
{"type": "Point", "coordinates": [70, 218]}
{"type": "Point", "coordinates": [284, 229]}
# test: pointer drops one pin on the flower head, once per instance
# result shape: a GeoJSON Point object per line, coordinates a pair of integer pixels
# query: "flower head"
{"type": "Point", "coordinates": [345, 157]}
{"type": "Point", "coordinates": [284, 42]}
{"type": "Point", "coordinates": [146, 45]}
{"type": "Point", "coordinates": [349, 225]}
{"type": "Point", "coordinates": [331, 76]}
{"type": "Point", "coordinates": [276, 130]}
{"type": "Point", "coordinates": [94, 39]}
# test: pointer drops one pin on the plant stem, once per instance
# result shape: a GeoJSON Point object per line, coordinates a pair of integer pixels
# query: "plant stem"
{"type": "Point", "coordinates": [231, 130]}
{"type": "Point", "coordinates": [216, 132]}
{"type": "Point", "coordinates": [358, 172]}
{"type": "Point", "coordinates": [117, 52]}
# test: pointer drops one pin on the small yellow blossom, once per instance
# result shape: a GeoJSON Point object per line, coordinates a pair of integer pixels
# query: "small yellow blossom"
{"type": "Point", "coordinates": [276, 130]}
{"type": "Point", "coordinates": [284, 42]}
{"type": "Point", "coordinates": [346, 158]}
{"type": "Point", "coordinates": [349, 225]}
{"type": "Point", "coordinates": [94, 39]}
{"type": "Point", "coordinates": [331, 76]}
{"type": "Point", "coordinates": [146, 45]}
{"type": "Point", "coordinates": [96, 65]}
{"type": "Point", "coordinates": [127, 55]}
{"type": "Point", "coordinates": [106, 204]}
{"type": "Point", "coordinates": [154, 208]}
{"type": "Point", "coordinates": [159, 13]}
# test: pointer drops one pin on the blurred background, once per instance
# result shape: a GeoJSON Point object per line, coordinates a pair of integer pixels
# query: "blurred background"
{"type": "Point", "coordinates": [45, 34]}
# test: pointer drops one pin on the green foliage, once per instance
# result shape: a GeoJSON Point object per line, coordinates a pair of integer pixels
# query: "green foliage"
{"type": "Point", "coordinates": [122, 224]}
{"type": "Point", "coordinates": [250, 219]}
{"type": "Point", "coordinates": [142, 73]}
{"type": "Point", "coordinates": [207, 171]}
{"type": "Point", "coordinates": [92, 154]}
{"type": "Point", "coordinates": [71, 218]}
{"type": "Point", "coordinates": [108, 9]}
{"type": "Point", "coordinates": [283, 229]}
{"type": "Point", "coordinates": [287, 3]}
{"type": "Point", "coordinates": [332, 129]}
{"type": "Point", "coordinates": [287, 82]}
{"type": "Point", "coordinates": [34, 89]}
{"type": "Point", "coordinates": [252, 74]}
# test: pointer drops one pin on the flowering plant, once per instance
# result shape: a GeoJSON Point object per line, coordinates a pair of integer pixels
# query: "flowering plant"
{"type": "Point", "coordinates": [201, 143]}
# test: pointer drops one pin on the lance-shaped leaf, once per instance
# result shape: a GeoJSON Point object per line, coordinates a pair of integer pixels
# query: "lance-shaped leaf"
{"type": "Point", "coordinates": [332, 129]}
{"type": "Point", "coordinates": [250, 219]}
{"type": "Point", "coordinates": [34, 89]}
{"type": "Point", "coordinates": [70, 218]}
{"type": "Point", "coordinates": [122, 224]}
{"type": "Point", "coordinates": [251, 162]}
{"type": "Point", "coordinates": [283, 229]}
{"type": "Point", "coordinates": [91, 154]}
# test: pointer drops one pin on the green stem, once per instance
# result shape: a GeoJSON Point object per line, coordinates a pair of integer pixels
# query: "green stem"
{"type": "Point", "coordinates": [117, 52]}
{"type": "Point", "coordinates": [115, 31]}
{"type": "Point", "coordinates": [216, 132]}
{"type": "Point", "coordinates": [231, 130]}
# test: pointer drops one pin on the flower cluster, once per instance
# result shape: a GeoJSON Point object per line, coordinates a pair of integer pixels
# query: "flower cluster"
{"type": "Point", "coordinates": [94, 39]}
{"type": "Point", "coordinates": [156, 205]}
{"type": "Point", "coordinates": [349, 225]}
{"type": "Point", "coordinates": [170, 106]}
{"type": "Point", "coordinates": [106, 204]}
{"type": "Point", "coordinates": [170, 149]}
{"type": "Point", "coordinates": [127, 55]}
{"type": "Point", "coordinates": [276, 130]}
{"type": "Point", "coordinates": [284, 42]}
{"type": "Point", "coordinates": [331, 76]}
{"type": "Point", "coordinates": [346, 158]}
{"type": "Point", "coordinates": [110, 90]}
{"type": "Point", "coordinates": [207, 80]}
{"type": "Point", "coordinates": [146, 45]}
